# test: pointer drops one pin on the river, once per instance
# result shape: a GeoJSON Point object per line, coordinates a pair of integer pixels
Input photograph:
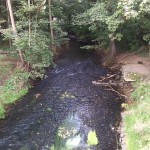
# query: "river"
{"type": "Point", "coordinates": [69, 113]}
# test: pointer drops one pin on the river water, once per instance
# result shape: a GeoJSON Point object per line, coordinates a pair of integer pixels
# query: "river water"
{"type": "Point", "coordinates": [65, 111]}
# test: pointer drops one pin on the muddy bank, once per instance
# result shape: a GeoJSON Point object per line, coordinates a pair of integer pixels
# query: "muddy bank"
{"type": "Point", "coordinates": [68, 107]}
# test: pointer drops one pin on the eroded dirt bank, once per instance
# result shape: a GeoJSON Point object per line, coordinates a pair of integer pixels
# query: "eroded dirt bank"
{"type": "Point", "coordinates": [68, 107]}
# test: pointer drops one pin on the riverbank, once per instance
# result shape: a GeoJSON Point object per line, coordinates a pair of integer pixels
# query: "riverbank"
{"type": "Point", "coordinates": [135, 126]}
{"type": "Point", "coordinates": [13, 84]}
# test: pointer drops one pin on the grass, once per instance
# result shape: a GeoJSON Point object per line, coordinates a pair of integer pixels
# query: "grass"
{"type": "Point", "coordinates": [137, 119]}
{"type": "Point", "coordinates": [13, 85]}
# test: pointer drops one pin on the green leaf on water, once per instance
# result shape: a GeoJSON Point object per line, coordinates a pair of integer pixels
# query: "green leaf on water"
{"type": "Point", "coordinates": [49, 109]}
{"type": "Point", "coordinates": [52, 147]}
{"type": "Point", "coordinates": [92, 138]}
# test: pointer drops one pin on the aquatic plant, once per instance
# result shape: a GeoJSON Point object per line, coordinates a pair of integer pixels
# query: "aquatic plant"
{"type": "Point", "coordinates": [92, 138]}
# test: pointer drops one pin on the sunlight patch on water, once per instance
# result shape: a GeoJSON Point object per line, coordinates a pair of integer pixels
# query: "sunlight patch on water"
{"type": "Point", "coordinates": [73, 134]}
{"type": "Point", "coordinates": [66, 95]}
{"type": "Point", "coordinates": [73, 142]}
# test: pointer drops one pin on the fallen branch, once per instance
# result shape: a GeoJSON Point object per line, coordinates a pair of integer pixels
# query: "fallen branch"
{"type": "Point", "coordinates": [105, 84]}
{"type": "Point", "coordinates": [115, 66]}
{"type": "Point", "coordinates": [105, 78]}
{"type": "Point", "coordinates": [110, 87]}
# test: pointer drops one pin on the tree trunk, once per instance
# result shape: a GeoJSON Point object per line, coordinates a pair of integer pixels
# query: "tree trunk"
{"type": "Point", "coordinates": [11, 16]}
{"type": "Point", "coordinates": [9, 24]}
{"type": "Point", "coordinates": [14, 27]}
{"type": "Point", "coordinates": [149, 48]}
{"type": "Point", "coordinates": [29, 20]}
{"type": "Point", "coordinates": [113, 48]}
{"type": "Point", "coordinates": [51, 27]}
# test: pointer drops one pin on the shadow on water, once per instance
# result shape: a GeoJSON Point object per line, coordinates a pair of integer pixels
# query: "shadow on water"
{"type": "Point", "coordinates": [70, 114]}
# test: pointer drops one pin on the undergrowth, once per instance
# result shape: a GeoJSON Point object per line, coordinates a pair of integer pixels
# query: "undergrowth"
{"type": "Point", "coordinates": [12, 89]}
{"type": "Point", "coordinates": [137, 119]}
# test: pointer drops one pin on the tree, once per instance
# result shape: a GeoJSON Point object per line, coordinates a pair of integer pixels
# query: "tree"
{"type": "Point", "coordinates": [102, 16]}
{"type": "Point", "coordinates": [14, 27]}
{"type": "Point", "coordinates": [137, 11]}
{"type": "Point", "coordinates": [115, 21]}
{"type": "Point", "coordinates": [107, 23]}
{"type": "Point", "coordinates": [51, 27]}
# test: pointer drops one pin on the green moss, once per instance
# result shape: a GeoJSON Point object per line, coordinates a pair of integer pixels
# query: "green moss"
{"type": "Point", "coordinates": [134, 76]}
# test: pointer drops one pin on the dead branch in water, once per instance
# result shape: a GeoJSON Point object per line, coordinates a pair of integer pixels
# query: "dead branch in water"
{"type": "Point", "coordinates": [110, 87]}
{"type": "Point", "coordinates": [105, 78]}
{"type": "Point", "coordinates": [105, 84]}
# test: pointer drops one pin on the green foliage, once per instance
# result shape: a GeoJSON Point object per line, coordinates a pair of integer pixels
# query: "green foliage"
{"type": "Point", "coordinates": [146, 37]}
{"type": "Point", "coordinates": [136, 13]}
{"type": "Point", "coordinates": [2, 112]}
{"type": "Point", "coordinates": [34, 42]}
{"type": "Point", "coordinates": [52, 147]}
{"type": "Point", "coordinates": [141, 91]}
{"type": "Point", "coordinates": [34, 38]}
{"type": "Point", "coordinates": [13, 88]}
{"type": "Point", "coordinates": [125, 21]}
{"type": "Point", "coordinates": [102, 21]}
{"type": "Point", "coordinates": [66, 9]}
{"type": "Point", "coordinates": [39, 46]}
{"type": "Point", "coordinates": [60, 35]}
{"type": "Point", "coordinates": [92, 138]}
{"type": "Point", "coordinates": [3, 16]}
{"type": "Point", "coordinates": [88, 47]}
{"type": "Point", "coordinates": [99, 15]}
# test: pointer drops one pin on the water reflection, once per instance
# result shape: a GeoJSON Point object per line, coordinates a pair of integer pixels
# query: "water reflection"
{"type": "Point", "coordinates": [73, 134]}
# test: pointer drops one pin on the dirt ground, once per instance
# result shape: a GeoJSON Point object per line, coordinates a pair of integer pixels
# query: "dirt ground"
{"type": "Point", "coordinates": [130, 58]}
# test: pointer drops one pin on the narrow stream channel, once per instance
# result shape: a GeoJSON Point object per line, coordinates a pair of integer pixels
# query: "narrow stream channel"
{"type": "Point", "coordinates": [70, 112]}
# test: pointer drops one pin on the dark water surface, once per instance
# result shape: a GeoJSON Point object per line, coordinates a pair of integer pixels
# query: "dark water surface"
{"type": "Point", "coordinates": [68, 108]}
